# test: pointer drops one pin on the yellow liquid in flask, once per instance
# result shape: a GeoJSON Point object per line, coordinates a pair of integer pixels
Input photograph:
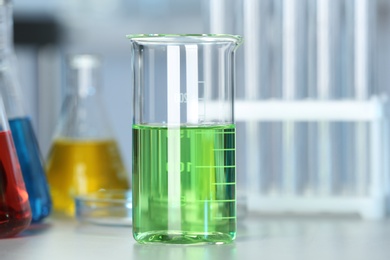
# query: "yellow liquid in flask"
{"type": "Point", "coordinates": [77, 167]}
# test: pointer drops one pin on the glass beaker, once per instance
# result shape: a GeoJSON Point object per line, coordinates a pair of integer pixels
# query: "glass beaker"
{"type": "Point", "coordinates": [84, 155]}
{"type": "Point", "coordinates": [15, 211]}
{"type": "Point", "coordinates": [184, 176]}
{"type": "Point", "coordinates": [27, 148]}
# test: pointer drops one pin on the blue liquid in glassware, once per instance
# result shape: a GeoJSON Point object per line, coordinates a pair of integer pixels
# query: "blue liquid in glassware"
{"type": "Point", "coordinates": [31, 164]}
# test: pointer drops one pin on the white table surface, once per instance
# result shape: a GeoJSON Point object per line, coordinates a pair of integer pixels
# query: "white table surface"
{"type": "Point", "coordinates": [260, 238]}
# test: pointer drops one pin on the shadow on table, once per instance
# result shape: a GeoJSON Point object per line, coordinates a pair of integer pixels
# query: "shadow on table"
{"type": "Point", "coordinates": [35, 229]}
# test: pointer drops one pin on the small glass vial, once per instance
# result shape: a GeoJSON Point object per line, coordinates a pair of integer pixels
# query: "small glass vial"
{"type": "Point", "coordinates": [84, 156]}
{"type": "Point", "coordinates": [15, 211]}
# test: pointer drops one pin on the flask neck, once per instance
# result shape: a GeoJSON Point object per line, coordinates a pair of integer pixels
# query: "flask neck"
{"type": "Point", "coordinates": [83, 114]}
{"type": "Point", "coordinates": [9, 84]}
{"type": "Point", "coordinates": [6, 29]}
{"type": "Point", "coordinates": [84, 79]}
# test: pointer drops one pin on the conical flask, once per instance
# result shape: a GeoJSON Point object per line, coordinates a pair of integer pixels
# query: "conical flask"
{"type": "Point", "coordinates": [15, 212]}
{"type": "Point", "coordinates": [84, 156]}
{"type": "Point", "coordinates": [29, 155]}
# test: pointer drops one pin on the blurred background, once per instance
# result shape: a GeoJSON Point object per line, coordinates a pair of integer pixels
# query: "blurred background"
{"type": "Point", "coordinates": [46, 33]}
{"type": "Point", "coordinates": [322, 56]}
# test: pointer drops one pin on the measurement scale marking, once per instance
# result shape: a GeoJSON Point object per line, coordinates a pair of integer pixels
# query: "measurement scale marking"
{"type": "Point", "coordinates": [217, 201]}
{"type": "Point", "coordinates": [224, 217]}
{"type": "Point", "coordinates": [216, 166]}
{"type": "Point", "coordinates": [219, 133]}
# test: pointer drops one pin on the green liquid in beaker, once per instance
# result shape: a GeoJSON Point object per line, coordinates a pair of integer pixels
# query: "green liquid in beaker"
{"type": "Point", "coordinates": [184, 184]}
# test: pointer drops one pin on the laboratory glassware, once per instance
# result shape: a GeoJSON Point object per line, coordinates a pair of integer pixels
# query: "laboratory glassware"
{"type": "Point", "coordinates": [84, 155]}
{"type": "Point", "coordinates": [105, 207]}
{"type": "Point", "coordinates": [15, 211]}
{"type": "Point", "coordinates": [27, 147]}
{"type": "Point", "coordinates": [184, 171]}
{"type": "Point", "coordinates": [297, 52]}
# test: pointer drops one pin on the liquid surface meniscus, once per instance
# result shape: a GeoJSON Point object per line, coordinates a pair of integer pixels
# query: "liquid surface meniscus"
{"type": "Point", "coordinates": [77, 167]}
{"type": "Point", "coordinates": [184, 184]}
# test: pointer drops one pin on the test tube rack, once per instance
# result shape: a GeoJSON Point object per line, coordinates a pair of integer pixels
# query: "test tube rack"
{"type": "Point", "coordinates": [371, 205]}
{"type": "Point", "coordinates": [311, 66]}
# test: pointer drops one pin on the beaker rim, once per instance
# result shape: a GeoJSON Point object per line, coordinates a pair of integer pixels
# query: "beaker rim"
{"type": "Point", "coordinates": [186, 38]}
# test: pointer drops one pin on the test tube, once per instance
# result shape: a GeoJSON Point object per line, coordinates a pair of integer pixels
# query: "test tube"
{"type": "Point", "coordinates": [290, 35]}
{"type": "Point", "coordinates": [303, 23]}
{"type": "Point", "coordinates": [312, 130]}
{"type": "Point", "coordinates": [362, 37]}
{"type": "Point", "coordinates": [345, 85]}
{"type": "Point", "coordinates": [221, 16]}
{"type": "Point", "coordinates": [333, 158]}
{"type": "Point", "coordinates": [295, 62]}
{"type": "Point", "coordinates": [324, 76]}
{"type": "Point", "coordinates": [272, 88]}
{"type": "Point", "coordinates": [252, 24]}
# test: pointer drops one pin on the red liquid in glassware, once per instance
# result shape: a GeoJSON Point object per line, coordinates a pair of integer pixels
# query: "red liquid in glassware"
{"type": "Point", "coordinates": [15, 212]}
